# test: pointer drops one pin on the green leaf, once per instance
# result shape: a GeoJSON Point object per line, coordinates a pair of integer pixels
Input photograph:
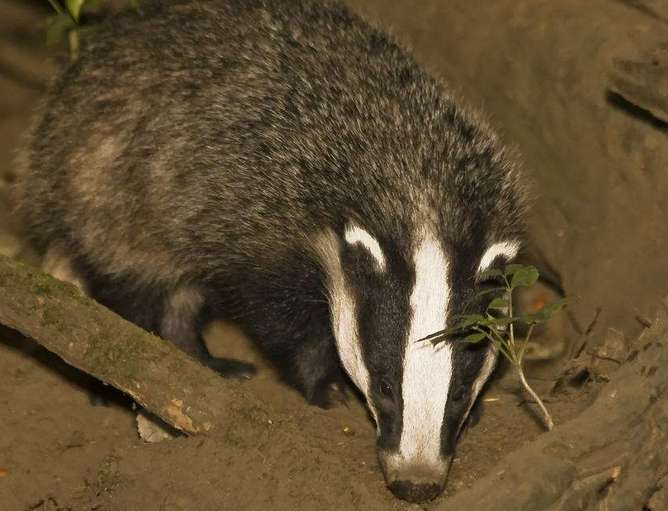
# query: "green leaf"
{"type": "Point", "coordinates": [469, 319]}
{"type": "Point", "coordinates": [498, 303]}
{"type": "Point", "coordinates": [491, 290]}
{"type": "Point", "coordinates": [531, 319]}
{"type": "Point", "coordinates": [58, 29]}
{"type": "Point", "coordinates": [545, 313]}
{"type": "Point", "coordinates": [456, 331]}
{"type": "Point", "coordinates": [505, 321]}
{"type": "Point", "coordinates": [435, 337]}
{"type": "Point", "coordinates": [511, 269]}
{"type": "Point", "coordinates": [476, 337]}
{"type": "Point", "coordinates": [462, 327]}
{"type": "Point", "coordinates": [524, 277]}
{"type": "Point", "coordinates": [550, 309]}
{"type": "Point", "coordinates": [74, 8]}
{"type": "Point", "coordinates": [442, 334]}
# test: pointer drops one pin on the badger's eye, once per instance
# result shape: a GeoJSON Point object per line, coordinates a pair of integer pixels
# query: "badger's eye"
{"type": "Point", "coordinates": [386, 389]}
{"type": "Point", "coordinates": [459, 394]}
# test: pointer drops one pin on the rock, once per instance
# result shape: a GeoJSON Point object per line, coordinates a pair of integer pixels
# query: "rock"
{"type": "Point", "coordinates": [151, 429]}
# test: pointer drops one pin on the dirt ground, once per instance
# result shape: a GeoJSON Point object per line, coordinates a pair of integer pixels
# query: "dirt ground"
{"type": "Point", "coordinates": [59, 451]}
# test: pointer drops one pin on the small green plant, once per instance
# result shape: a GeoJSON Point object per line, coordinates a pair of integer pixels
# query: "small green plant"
{"type": "Point", "coordinates": [498, 323]}
{"type": "Point", "coordinates": [73, 17]}
{"type": "Point", "coordinates": [65, 24]}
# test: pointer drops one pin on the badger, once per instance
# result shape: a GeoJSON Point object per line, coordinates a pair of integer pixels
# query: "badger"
{"type": "Point", "coordinates": [285, 166]}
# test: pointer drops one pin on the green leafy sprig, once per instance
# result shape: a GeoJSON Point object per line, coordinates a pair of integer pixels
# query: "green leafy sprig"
{"type": "Point", "coordinates": [74, 17]}
{"type": "Point", "coordinates": [497, 323]}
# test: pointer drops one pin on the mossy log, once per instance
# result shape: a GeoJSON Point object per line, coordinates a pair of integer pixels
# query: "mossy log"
{"type": "Point", "coordinates": [88, 336]}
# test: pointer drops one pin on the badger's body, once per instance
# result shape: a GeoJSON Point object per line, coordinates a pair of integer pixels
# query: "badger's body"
{"type": "Point", "coordinates": [285, 166]}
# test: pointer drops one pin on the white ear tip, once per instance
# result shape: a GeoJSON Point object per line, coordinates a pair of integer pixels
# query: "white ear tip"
{"type": "Point", "coordinates": [507, 249]}
{"type": "Point", "coordinates": [355, 234]}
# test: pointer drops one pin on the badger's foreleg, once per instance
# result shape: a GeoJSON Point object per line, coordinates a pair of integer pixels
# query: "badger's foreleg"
{"type": "Point", "coordinates": [317, 369]}
{"type": "Point", "coordinates": [182, 323]}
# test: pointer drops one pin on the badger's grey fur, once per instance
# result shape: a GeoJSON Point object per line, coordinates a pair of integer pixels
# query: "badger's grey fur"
{"type": "Point", "coordinates": [283, 165]}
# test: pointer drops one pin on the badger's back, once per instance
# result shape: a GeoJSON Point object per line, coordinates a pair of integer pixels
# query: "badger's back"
{"type": "Point", "coordinates": [204, 137]}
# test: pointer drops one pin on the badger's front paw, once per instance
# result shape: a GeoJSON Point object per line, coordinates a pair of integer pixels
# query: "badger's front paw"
{"type": "Point", "coordinates": [328, 396]}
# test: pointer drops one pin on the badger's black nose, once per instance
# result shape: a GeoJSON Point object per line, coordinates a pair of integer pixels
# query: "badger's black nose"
{"type": "Point", "coordinates": [415, 492]}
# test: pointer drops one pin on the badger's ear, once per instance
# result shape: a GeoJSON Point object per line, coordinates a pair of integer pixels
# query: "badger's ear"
{"type": "Point", "coordinates": [506, 250]}
{"type": "Point", "coordinates": [356, 236]}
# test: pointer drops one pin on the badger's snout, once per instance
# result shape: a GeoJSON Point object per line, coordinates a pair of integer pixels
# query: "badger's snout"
{"type": "Point", "coordinates": [414, 481]}
{"type": "Point", "coordinates": [415, 492]}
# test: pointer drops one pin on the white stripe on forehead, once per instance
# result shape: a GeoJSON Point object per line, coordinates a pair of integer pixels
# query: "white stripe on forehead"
{"type": "Point", "coordinates": [508, 249]}
{"type": "Point", "coordinates": [355, 234]}
{"type": "Point", "coordinates": [427, 369]}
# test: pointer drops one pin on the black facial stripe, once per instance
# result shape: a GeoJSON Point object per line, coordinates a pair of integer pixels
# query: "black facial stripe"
{"type": "Point", "coordinates": [468, 361]}
{"type": "Point", "coordinates": [383, 317]}
{"type": "Point", "coordinates": [358, 258]}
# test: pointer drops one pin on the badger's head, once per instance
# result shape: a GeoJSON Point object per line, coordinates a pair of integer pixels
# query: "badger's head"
{"type": "Point", "coordinates": [385, 297]}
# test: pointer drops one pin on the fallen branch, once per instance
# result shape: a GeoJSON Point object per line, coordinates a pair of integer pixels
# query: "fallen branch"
{"type": "Point", "coordinates": [162, 379]}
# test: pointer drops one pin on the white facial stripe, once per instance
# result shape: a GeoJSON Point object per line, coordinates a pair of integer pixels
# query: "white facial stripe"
{"type": "Point", "coordinates": [427, 369]}
{"type": "Point", "coordinates": [344, 322]}
{"type": "Point", "coordinates": [508, 249]}
{"type": "Point", "coordinates": [355, 234]}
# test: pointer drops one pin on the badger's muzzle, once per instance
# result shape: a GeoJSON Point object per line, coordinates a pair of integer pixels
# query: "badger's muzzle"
{"type": "Point", "coordinates": [414, 481]}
